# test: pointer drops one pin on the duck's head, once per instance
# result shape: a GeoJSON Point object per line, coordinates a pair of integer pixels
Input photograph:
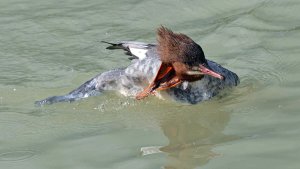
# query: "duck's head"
{"type": "Point", "coordinates": [182, 60]}
{"type": "Point", "coordinates": [183, 54]}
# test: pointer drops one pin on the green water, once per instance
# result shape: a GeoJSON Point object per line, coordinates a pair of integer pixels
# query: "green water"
{"type": "Point", "coordinates": [51, 47]}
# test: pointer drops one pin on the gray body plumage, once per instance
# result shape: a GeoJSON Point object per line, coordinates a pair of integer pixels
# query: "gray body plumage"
{"type": "Point", "coordinates": [144, 65]}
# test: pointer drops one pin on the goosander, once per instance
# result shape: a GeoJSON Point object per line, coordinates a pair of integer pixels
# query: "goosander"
{"type": "Point", "coordinates": [175, 68]}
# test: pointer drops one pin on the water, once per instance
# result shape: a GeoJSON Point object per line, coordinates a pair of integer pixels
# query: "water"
{"type": "Point", "coordinates": [51, 47]}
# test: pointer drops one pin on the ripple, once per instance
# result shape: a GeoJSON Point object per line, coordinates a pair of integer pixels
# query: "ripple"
{"type": "Point", "coordinates": [262, 66]}
{"type": "Point", "coordinates": [16, 155]}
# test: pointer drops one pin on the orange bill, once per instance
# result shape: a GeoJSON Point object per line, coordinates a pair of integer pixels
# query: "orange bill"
{"type": "Point", "coordinates": [164, 79]}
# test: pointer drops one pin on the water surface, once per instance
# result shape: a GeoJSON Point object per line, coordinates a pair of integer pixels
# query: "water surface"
{"type": "Point", "coordinates": [51, 47]}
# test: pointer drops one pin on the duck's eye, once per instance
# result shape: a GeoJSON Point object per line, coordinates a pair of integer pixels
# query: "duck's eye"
{"type": "Point", "coordinates": [195, 68]}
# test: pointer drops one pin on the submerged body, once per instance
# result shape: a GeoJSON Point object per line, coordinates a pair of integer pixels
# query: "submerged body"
{"type": "Point", "coordinates": [144, 66]}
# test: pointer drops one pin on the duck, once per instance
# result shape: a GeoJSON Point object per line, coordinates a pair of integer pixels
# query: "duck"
{"type": "Point", "coordinates": [175, 67]}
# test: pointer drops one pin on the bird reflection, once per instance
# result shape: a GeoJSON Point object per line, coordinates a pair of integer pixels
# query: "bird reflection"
{"type": "Point", "coordinates": [193, 134]}
{"type": "Point", "coordinates": [192, 131]}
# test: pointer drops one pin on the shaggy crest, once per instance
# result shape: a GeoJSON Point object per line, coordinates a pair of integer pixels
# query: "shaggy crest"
{"type": "Point", "coordinates": [177, 47]}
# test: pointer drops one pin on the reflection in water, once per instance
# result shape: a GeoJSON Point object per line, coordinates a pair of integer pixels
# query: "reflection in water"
{"type": "Point", "coordinates": [192, 136]}
{"type": "Point", "coordinates": [192, 131]}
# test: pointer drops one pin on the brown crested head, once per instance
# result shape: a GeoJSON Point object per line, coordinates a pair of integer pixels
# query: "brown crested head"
{"type": "Point", "coordinates": [177, 47]}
